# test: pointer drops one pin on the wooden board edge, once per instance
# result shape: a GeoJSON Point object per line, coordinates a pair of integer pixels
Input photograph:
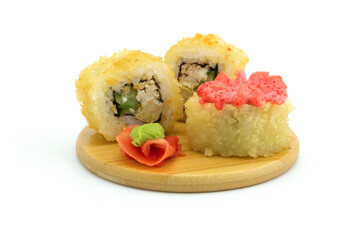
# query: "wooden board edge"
{"type": "Point", "coordinates": [163, 184]}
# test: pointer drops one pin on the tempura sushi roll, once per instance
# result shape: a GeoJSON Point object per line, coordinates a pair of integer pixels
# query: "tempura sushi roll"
{"type": "Point", "coordinates": [128, 88]}
{"type": "Point", "coordinates": [239, 117]}
{"type": "Point", "coordinates": [201, 58]}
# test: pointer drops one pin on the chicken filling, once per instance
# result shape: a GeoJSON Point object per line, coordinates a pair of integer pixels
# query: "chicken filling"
{"type": "Point", "coordinates": [138, 102]}
{"type": "Point", "coordinates": [192, 75]}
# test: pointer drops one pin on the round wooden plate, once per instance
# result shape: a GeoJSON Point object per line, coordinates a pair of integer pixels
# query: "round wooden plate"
{"type": "Point", "coordinates": [192, 173]}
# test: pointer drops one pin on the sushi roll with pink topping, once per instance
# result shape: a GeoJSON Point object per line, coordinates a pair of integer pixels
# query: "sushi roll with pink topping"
{"type": "Point", "coordinates": [240, 117]}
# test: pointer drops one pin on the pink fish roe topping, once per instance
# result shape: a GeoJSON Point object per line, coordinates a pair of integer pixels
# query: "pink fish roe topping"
{"type": "Point", "coordinates": [259, 89]}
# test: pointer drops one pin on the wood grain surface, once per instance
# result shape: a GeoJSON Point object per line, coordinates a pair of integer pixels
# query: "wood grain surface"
{"type": "Point", "coordinates": [192, 173]}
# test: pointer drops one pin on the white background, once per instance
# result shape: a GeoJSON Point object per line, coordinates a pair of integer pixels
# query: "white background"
{"type": "Point", "coordinates": [48, 194]}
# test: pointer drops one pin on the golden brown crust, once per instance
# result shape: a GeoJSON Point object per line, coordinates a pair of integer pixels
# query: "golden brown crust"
{"type": "Point", "coordinates": [212, 46]}
{"type": "Point", "coordinates": [122, 61]}
{"type": "Point", "coordinates": [209, 41]}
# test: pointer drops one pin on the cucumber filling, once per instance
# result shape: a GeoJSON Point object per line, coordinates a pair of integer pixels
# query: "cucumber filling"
{"type": "Point", "coordinates": [126, 104]}
{"type": "Point", "coordinates": [139, 101]}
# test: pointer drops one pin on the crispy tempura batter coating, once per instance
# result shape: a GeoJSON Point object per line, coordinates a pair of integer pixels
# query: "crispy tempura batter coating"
{"type": "Point", "coordinates": [207, 48]}
{"type": "Point", "coordinates": [97, 82]}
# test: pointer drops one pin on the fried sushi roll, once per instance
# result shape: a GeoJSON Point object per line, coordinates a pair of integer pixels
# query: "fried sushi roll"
{"type": "Point", "coordinates": [128, 88]}
{"type": "Point", "coordinates": [239, 117]}
{"type": "Point", "coordinates": [201, 58]}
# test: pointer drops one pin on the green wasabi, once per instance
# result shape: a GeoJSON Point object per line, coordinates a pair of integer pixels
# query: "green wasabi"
{"type": "Point", "coordinates": [146, 132]}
